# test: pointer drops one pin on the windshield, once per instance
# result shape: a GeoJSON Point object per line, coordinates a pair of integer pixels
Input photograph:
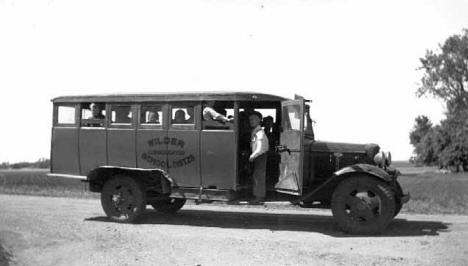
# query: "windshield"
{"type": "Point", "coordinates": [292, 117]}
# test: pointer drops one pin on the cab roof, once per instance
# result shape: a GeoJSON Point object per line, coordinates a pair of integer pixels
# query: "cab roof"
{"type": "Point", "coordinates": [170, 97]}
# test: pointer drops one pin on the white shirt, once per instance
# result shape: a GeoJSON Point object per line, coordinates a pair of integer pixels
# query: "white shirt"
{"type": "Point", "coordinates": [210, 114]}
{"type": "Point", "coordinates": [258, 142]}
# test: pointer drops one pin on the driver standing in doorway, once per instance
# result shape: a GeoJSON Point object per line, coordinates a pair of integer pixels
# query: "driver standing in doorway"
{"type": "Point", "coordinates": [259, 146]}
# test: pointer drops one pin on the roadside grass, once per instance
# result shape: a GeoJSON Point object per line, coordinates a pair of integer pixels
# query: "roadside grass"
{"type": "Point", "coordinates": [436, 193]}
{"type": "Point", "coordinates": [432, 192]}
{"type": "Point", "coordinates": [36, 182]}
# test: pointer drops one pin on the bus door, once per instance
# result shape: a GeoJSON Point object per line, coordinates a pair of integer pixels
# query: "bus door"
{"type": "Point", "coordinates": [152, 138]}
{"type": "Point", "coordinates": [92, 137]}
{"type": "Point", "coordinates": [121, 149]}
{"type": "Point", "coordinates": [291, 147]}
{"type": "Point", "coordinates": [183, 144]}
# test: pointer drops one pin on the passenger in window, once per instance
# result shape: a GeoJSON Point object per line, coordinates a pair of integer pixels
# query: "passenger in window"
{"type": "Point", "coordinates": [209, 113]}
{"type": "Point", "coordinates": [153, 117]}
{"type": "Point", "coordinates": [96, 111]}
{"type": "Point", "coordinates": [179, 117]}
{"type": "Point", "coordinates": [259, 146]}
{"type": "Point", "coordinates": [222, 111]}
{"type": "Point", "coordinates": [123, 115]}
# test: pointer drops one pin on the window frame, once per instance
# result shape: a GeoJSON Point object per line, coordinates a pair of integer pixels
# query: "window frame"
{"type": "Point", "coordinates": [104, 121]}
{"type": "Point", "coordinates": [110, 124]}
{"type": "Point", "coordinates": [55, 121]}
{"type": "Point", "coordinates": [196, 114]}
{"type": "Point", "coordinates": [232, 127]}
{"type": "Point", "coordinates": [163, 118]}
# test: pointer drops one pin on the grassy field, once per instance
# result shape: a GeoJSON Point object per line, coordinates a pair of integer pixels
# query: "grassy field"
{"type": "Point", "coordinates": [36, 182]}
{"type": "Point", "coordinates": [431, 191]}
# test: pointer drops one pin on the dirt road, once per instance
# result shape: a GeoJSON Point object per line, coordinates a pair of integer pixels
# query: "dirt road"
{"type": "Point", "coordinates": [62, 231]}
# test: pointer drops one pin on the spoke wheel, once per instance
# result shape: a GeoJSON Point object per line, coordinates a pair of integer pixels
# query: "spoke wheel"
{"type": "Point", "coordinates": [123, 199]}
{"type": "Point", "coordinates": [363, 205]}
{"type": "Point", "coordinates": [170, 205]}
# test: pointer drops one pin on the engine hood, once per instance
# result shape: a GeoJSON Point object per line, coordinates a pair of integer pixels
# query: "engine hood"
{"type": "Point", "coordinates": [325, 146]}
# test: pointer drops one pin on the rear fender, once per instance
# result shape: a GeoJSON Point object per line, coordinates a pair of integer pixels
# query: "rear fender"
{"type": "Point", "coordinates": [149, 177]}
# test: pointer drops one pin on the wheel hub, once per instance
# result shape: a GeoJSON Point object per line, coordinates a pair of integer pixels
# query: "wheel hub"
{"type": "Point", "coordinates": [122, 200]}
{"type": "Point", "coordinates": [363, 206]}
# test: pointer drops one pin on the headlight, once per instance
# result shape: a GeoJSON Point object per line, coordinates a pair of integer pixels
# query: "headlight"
{"type": "Point", "coordinates": [388, 158]}
{"type": "Point", "coordinates": [383, 159]}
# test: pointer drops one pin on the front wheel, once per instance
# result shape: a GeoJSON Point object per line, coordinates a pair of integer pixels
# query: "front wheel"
{"type": "Point", "coordinates": [398, 203]}
{"type": "Point", "coordinates": [363, 205]}
{"type": "Point", "coordinates": [123, 199]}
{"type": "Point", "coordinates": [170, 205]}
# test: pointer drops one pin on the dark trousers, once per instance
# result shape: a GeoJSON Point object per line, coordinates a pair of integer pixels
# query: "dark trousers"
{"type": "Point", "coordinates": [258, 175]}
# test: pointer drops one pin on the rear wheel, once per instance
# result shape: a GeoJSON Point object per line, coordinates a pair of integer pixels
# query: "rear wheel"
{"type": "Point", "coordinates": [123, 199]}
{"type": "Point", "coordinates": [363, 205]}
{"type": "Point", "coordinates": [170, 205]}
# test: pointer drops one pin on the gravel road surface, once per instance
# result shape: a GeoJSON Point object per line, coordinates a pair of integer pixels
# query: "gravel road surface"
{"type": "Point", "coordinates": [63, 231]}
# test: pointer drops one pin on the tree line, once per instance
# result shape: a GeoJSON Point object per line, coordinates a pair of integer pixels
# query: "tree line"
{"type": "Point", "coordinates": [445, 77]}
{"type": "Point", "coordinates": [43, 163]}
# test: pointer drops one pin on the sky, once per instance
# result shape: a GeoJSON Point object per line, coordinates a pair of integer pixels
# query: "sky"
{"type": "Point", "coordinates": [356, 60]}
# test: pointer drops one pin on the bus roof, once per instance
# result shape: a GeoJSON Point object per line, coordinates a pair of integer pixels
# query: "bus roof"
{"type": "Point", "coordinates": [170, 97]}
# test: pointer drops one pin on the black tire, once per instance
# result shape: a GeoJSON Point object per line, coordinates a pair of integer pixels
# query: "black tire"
{"type": "Point", "coordinates": [363, 205]}
{"type": "Point", "coordinates": [170, 205]}
{"type": "Point", "coordinates": [123, 199]}
{"type": "Point", "coordinates": [398, 195]}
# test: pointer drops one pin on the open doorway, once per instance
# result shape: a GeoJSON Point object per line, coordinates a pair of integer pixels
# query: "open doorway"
{"type": "Point", "coordinates": [270, 122]}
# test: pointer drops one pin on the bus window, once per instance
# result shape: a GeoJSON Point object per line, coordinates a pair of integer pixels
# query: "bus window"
{"type": "Point", "coordinates": [151, 115]}
{"type": "Point", "coordinates": [218, 115]}
{"type": "Point", "coordinates": [181, 114]}
{"type": "Point", "coordinates": [93, 114]}
{"type": "Point", "coordinates": [121, 114]}
{"type": "Point", "coordinates": [65, 115]}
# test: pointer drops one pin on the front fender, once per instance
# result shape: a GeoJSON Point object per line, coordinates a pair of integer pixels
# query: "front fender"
{"type": "Point", "coordinates": [356, 168]}
{"type": "Point", "coordinates": [365, 169]}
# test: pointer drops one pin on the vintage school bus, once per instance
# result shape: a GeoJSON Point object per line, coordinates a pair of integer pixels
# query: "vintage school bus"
{"type": "Point", "coordinates": [157, 149]}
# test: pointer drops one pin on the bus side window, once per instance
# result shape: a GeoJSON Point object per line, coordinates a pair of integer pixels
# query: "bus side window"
{"type": "Point", "coordinates": [121, 114]}
{"type": "Point", "coordinates": [66, 115]}
{"type": "Point", "coordinates": [182, 115]}
{"type": "Point", "coordinates": [215, 113]}
{"type": "Point", "coordinates": [151, 115]}
{"type": "Point", "coordinates": [93, 114]}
